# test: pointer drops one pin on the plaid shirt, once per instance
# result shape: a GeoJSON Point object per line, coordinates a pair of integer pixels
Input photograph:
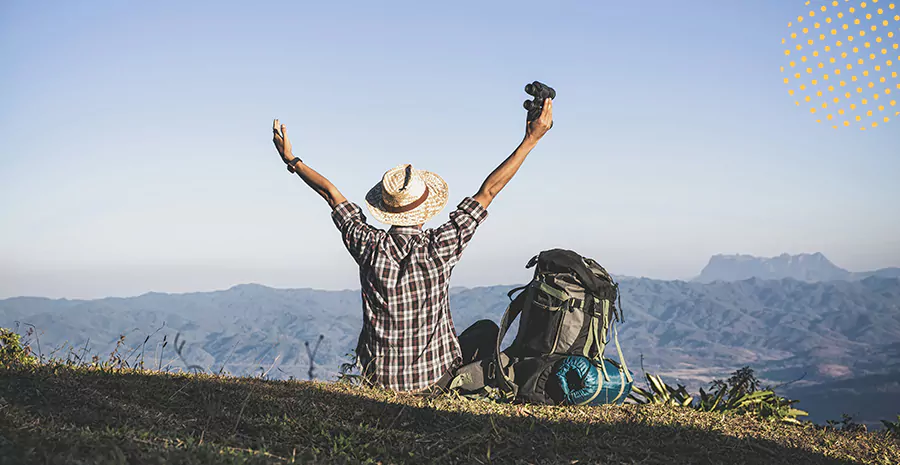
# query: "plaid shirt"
{"type": "Point", "coordinates": [408, 340]}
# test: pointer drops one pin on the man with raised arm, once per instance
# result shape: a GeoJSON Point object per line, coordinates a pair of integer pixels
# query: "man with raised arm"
{"type": "Point", "coordinates": [408, 340]}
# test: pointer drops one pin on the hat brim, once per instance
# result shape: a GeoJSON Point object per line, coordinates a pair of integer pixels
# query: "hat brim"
{"type": "Point", "coordinates": [438, 192]}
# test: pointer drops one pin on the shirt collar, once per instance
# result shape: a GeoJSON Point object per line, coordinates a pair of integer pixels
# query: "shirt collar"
{"type": "Point", "coordinates": [406, 230]}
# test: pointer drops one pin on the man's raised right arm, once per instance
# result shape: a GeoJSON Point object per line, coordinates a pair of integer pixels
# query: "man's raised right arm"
{"type": "Point", "coordinates": [534, 130]}
{"type": "Point", "coordinates": [311, 177]}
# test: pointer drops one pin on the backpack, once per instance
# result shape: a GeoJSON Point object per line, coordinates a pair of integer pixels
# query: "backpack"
{"type": "Point", "coordinates": [565, 316]}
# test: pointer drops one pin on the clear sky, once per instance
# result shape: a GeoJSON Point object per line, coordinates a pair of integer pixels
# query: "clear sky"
{"type": "Point", "coordinates": [136, 153]}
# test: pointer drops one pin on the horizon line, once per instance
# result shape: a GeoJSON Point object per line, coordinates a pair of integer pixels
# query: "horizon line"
{"type": "Point", "coordinates": [451, 288]}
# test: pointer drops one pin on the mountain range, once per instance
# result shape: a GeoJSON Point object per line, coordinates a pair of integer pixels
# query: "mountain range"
{"type": "Point", "coordinates": [835, 343]}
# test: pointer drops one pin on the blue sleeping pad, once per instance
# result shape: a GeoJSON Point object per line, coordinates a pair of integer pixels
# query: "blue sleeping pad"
{"type": "Point", "coordinates": [581, 382]}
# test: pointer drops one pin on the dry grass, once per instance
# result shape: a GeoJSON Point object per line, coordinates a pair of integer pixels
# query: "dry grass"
{"type": "Point", "coordinates": [57, 414]}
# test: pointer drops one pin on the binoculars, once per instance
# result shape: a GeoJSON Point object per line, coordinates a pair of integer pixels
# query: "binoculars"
{"type": "Point", "coordinates": [539, 91]}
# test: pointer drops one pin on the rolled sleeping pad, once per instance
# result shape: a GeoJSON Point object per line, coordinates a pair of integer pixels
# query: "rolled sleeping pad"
{"type": "Point", "coordinates": [581, 382]}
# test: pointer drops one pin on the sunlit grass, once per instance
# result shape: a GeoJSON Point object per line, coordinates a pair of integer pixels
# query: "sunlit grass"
{"type": "Point", "coordinates": [52, 413]}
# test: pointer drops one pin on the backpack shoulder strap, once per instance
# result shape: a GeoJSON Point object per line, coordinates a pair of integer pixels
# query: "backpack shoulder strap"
{"type": "Point", "coordinates": [503, 378]}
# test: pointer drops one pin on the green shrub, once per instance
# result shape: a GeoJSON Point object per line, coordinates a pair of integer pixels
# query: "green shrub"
{"type": "Point", "coordinates": [659, 392]}
{"type": "Point", "coordinates": [12, 352]}
{"type": "Point", "coordinates": [892, 427]}
{"type": "Point", "coordinates": [739, 395]}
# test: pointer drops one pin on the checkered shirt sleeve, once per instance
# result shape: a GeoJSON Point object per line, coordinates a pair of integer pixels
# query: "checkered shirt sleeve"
{"type": "Point", "coordinates": [451, 238]}
{"type": "Point", "coordinates": [358, 236]}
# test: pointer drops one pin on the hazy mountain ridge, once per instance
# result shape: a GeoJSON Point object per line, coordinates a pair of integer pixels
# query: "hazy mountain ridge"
{"type": "Point", "coordinates": [803, 267]}
{"type": "Point", "coordinates": [734, 322]}
{"type": "Point", "coordinates": [690, 332]}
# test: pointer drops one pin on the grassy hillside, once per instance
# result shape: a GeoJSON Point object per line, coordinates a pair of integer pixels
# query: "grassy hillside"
{"type": "Point", "coordinates": [86, 415]}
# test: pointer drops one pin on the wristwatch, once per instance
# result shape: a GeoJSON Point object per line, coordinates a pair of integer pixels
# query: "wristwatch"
{"type": "Point", "coordinates": [292, 164]}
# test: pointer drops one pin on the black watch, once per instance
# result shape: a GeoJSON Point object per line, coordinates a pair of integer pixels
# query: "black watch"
{"type": "Point", "coordinates": [292, 164]}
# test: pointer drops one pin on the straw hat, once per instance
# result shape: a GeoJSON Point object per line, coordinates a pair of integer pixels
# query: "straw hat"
{"type": "Point", "coordinates": [407, 196]}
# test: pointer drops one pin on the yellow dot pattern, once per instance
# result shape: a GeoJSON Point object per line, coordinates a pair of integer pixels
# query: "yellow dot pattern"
{"type": "Point", "coordinates": [842, 60]}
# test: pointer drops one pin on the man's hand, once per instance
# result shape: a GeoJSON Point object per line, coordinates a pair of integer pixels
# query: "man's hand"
{"type": "Point", "coordinates": [282, 143]}
{"type": "Point", "coordinates": [536, 129]}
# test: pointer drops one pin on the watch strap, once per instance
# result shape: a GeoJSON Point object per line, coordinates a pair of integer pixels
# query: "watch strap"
{"type": "Point", "coordinates": [292, 164]}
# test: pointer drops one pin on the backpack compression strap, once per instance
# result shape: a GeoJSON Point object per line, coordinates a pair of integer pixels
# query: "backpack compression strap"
{"type": "Point", "coordinates": [621, 357]}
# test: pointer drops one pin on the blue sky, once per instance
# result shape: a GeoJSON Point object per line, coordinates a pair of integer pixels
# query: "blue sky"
{"type": "Point", "coordinates": [136, 154]}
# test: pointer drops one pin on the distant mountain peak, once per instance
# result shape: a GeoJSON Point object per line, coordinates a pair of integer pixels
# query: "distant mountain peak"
{"type": "Point", "coordinates": [248, 286]}
{"type": "Point", "coordinates": [803, 267]}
